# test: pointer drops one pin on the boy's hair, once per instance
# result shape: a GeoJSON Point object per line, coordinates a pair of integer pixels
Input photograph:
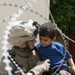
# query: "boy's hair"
{"type": "Point", "coordinates": [48, 29]}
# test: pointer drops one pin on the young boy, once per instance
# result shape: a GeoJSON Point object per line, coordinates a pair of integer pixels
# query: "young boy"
{"type": "Point", "coordinates": [54, 51]}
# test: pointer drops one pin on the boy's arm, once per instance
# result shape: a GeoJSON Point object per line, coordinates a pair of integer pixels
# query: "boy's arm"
{"type": "Point", "coordinates": [72, 65]}
{"type": "Point", "coordinates": [71, 62]}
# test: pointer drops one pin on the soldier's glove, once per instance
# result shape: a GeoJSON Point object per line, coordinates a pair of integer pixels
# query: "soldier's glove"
{"type": "Point", "coordinates": [63, 72]}
{"type": "Point", "coordinates": [41, 67]}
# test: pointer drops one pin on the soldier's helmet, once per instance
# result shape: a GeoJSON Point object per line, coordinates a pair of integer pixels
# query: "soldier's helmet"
{"type": "Point", "coordinates": [23, 31]}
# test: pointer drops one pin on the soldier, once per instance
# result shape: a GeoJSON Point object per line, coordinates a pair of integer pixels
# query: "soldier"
{"type": "Point", "coordinates": [22, 39]}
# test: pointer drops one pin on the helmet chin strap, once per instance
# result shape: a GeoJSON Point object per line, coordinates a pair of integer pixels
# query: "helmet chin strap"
{"type": "Point", "coordinates": [27, 48]}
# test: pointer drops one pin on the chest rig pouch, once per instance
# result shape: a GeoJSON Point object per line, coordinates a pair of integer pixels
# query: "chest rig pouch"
{"type": "Point", "coordinates": [15, 70]}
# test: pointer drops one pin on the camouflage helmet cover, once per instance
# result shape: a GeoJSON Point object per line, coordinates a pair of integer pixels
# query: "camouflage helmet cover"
{"type": "Point", "coordinates": [22, 31]}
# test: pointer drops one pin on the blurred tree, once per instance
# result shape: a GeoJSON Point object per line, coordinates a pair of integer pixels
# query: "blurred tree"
{"type": "Point", "coordinates": [63, 12]}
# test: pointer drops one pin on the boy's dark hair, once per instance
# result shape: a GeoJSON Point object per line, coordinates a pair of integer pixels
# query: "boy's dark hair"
{"type": "Point", "coordinates": [48, 29]}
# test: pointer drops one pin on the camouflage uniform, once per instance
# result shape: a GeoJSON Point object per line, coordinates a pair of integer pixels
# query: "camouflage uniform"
{"type": "Point", "coordinates": [25, 60]}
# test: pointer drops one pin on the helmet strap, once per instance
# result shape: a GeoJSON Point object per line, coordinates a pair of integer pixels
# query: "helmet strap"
{"type": "Point", "coordinates": [27, 48]}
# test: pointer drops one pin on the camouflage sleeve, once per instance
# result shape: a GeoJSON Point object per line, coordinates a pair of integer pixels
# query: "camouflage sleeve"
{"type": "Point", "coordinates": [2, 69]}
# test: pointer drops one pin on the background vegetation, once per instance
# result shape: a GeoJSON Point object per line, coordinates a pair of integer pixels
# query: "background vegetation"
{"type": "Point", "coordinates": [63, 12]}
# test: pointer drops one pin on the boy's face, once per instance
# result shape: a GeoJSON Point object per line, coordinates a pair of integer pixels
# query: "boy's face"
{"type": "Point", "coordinates": [45, 41]}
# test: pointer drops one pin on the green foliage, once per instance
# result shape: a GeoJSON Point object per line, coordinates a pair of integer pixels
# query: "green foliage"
{"type": "Point", "coordinates": [63, 12]}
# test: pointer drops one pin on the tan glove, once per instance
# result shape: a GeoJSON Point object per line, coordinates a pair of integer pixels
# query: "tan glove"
{"type": "Point", "coordinates": [29, 74]}
{"type": "Point", "coordinates": [63, 72]}
{"type": "Point", "coordinates": [41, 67]}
